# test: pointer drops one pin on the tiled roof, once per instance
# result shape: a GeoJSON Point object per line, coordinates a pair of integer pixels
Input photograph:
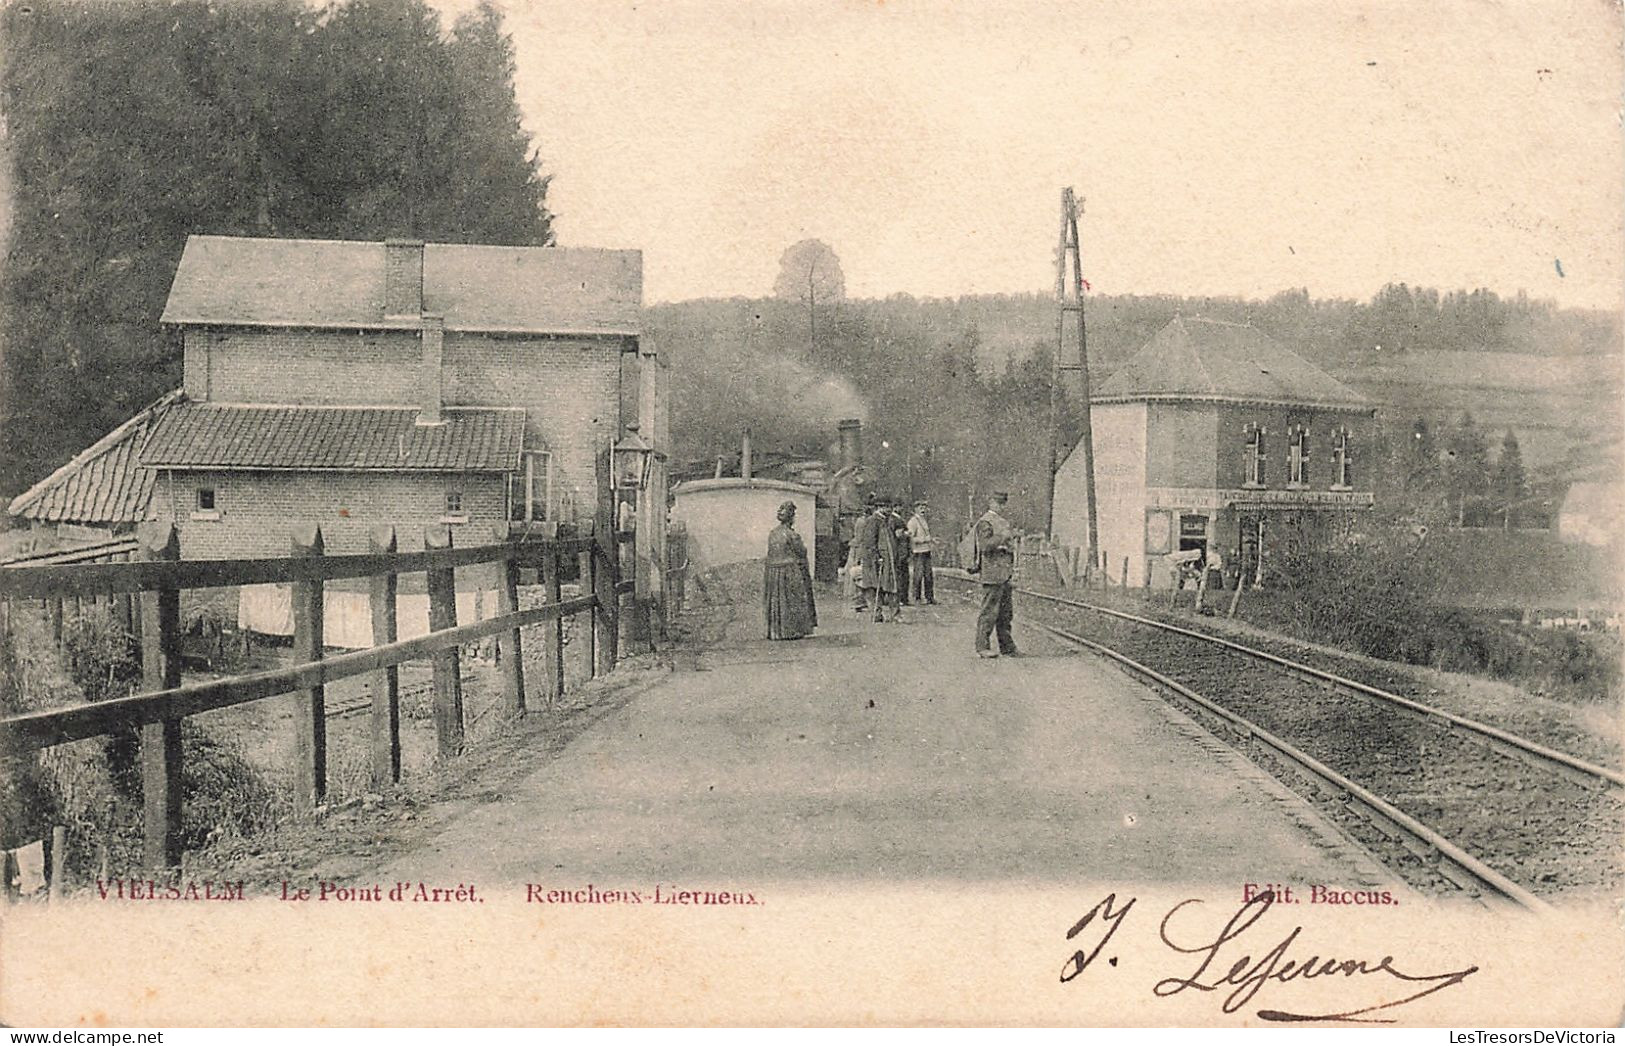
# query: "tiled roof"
{"type": "Point", "coordinates": [207, 435]}
{"type": "Point", "coordinates": [104, 484]}
{"type": "Point", "coordinates": [340, 283]}
{"type": "Point", "coordinates": [1215, 360]}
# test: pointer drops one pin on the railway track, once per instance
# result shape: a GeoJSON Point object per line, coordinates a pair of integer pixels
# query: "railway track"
{"type": "Point", "coordinates": [1442, 799]}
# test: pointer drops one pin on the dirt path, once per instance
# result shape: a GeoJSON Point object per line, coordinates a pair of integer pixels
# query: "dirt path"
{"type": "Point", "coordinates": [869, 752]}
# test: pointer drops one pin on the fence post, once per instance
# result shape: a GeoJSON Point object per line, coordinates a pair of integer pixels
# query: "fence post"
{"type": "Point", "coordinates": [607, 623]}
{"type": "Point", "coordinates": [310, 704]}
{"type": "Point", "coordinates": [1235, 597]}
{"type": "Point", "coordinates": [386, 686]}
{"type": "Point", "coordinates": [130, 610]}
{"type": "Point", "coordinates": [55, 609]}
{"type": "Point", "coordinates": [510, 645]}
{"type": "Point", "coordinates": [552, 631]}
{"type": "Point", "coordinates": [1125, 573]}
{"type": "Point", "coordinates": [59, 864]}
{"type": "Point", "coordinates": [587, 568]}
{"type": "Point", "coordinates": [161, 670]}
{"type": "Point", "coordinates": [448, 680]}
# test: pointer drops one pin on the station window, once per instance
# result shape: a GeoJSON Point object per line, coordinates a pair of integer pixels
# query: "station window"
{"type": "Point", "coordinates": [454, 503]}
{"type": "Point", "coordinates": [1253, 458]}
{"type": "Point", "coordinates": [1298, 456]}
{"type": "Point", "coordinates": [205, 505]}
{"type": "Point", "coordinates": [1342, 473]}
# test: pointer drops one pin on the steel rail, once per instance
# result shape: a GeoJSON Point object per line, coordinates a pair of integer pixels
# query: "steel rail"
{"type": "Point", "coordinates": [1470, 872]}
{"type": "Point", "coordinates": [1531, 752]}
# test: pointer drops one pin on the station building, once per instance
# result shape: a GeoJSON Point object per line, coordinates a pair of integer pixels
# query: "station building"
{"type": "Point", "coordinates": [1213, 436]}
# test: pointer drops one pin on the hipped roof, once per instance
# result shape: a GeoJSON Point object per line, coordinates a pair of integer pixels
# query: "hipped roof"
{"type": "Point", "coordinates": [1201, 359]}
{"type": "Point", "coordinates": [103, 484]}
{"type": "Point", "coordinates": [216, 436]}
{"type": "Point", "coordinates": [340, 283]}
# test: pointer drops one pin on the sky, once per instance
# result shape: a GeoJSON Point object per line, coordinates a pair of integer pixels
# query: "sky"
{"type": "Point", "coordinates": [1235, 149]}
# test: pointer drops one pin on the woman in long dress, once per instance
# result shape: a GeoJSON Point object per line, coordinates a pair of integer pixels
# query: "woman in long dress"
{"type": "Point", "coordinates": [787, 596]}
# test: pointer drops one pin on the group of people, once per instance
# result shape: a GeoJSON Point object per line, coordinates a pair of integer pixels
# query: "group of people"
{"type": "Point", "coordinates": [891, 559]}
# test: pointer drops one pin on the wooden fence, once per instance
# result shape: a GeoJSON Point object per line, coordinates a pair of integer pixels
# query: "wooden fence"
{"type": "Point", "coordinates": [1040, 559]}
{"type": "Point", "coordinates": [157, 576]}
{"type": "Point", "coordinates": [57, 608]}
{"type": "Point", "coordinates": [675, 589]}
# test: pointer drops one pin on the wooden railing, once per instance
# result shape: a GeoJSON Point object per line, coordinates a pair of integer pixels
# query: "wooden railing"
{"type": "Point", "coordinates": [158, 576]}
{"type": "Point", "coordinates": [57, 608]}
{"type": "Point", "coordinates": [675, 589]}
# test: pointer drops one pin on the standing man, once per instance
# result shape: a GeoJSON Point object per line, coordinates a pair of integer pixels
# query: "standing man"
{"type": "Point", "coordinates": [859, 563]}
{"type": "Point", "coordinates": [903, 553]}
{"type": "Point", "coordinates": [919, 540]}
{"type": "Point", "coordinates": [877, 554]}
{"type": "Point", "coordinates": [994, 537]}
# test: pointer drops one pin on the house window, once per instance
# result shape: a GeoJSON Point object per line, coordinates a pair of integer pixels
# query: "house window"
{"type": "Point", "coordinates": [1253, 475]}
{"type": "Point", "coordinates": [454, 505]}
{"type": "Point", "coordinates": [530, 490]}
{"type": "Point", "coordinates": [1298, 457]}
{"type": "Point", "coordinates": [204, 504]}
{"type": "Point", "coordinates": [1341, 472]}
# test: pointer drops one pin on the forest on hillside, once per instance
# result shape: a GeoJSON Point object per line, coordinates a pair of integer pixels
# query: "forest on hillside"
{"type": "Point", "coordinates": [955, 392]}
{"type": "Point", "coordinates": [131, 124]}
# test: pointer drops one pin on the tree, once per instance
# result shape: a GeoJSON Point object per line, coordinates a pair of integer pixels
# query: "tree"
{"type": "Point", "coordinates": [132, 125]}
{"type": "Point", "coordinates": [1420, 465]}
{"type": "Point", "coordinates": [810, 274]}
{"type": "Point", "coordinates": [1467, 465]}
{"type": "Point", "coordinates": [1508, 483]}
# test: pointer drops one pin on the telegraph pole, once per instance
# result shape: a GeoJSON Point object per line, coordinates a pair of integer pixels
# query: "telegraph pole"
{"type": "Point", "coordinates": [1069, 301]}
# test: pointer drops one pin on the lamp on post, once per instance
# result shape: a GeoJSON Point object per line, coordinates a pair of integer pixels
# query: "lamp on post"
{"type": "Point", "coordinates": [630, 461]}
{"type": "Point", "coordinates": [629, 473]}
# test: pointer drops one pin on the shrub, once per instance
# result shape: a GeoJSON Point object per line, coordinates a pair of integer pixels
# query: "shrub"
{"type": "Point", "coordinates": [93, 787]}
{"type": "Point", "coordinates": [1380, 599]}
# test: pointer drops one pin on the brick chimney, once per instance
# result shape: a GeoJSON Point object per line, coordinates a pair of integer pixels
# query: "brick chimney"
{"type": "Point", "coordinates": [433, 334]}
{"type": "Point", "coordinates": [851, 442]}
{"type": "Point", "coordinates": [403, 278]}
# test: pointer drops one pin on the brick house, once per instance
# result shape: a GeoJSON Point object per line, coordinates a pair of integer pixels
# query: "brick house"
{"type": "Point", "coordinates": [351, 384]}
{"type": "Point", "coordinates": [1211, 436]}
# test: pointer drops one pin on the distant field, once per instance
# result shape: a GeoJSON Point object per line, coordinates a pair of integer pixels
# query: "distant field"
{"type": "Point", "coordinates": [1488, 370]}
{"type": "Point", "coordinates": [1552, 403]}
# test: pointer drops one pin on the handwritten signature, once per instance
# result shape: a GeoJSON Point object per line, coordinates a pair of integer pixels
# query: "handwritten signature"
{"type": "Point", "coordinates": [1247, 976]}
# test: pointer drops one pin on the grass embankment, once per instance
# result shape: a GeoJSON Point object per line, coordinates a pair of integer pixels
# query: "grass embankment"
{"type": "Point", "coordinates": [238, 763]}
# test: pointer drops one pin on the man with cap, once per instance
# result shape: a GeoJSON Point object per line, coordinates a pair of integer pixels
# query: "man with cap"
{"type": "Point", "coordinates": [995, 539]}
{"type": "Point", "coordinates": [922, 583]}
{"type": "Point", "coordinates": [861, 539]}
{"type": "Point", "coordinates": [877, 558]}
{"type": "Point", "coordinates": [901, 553]}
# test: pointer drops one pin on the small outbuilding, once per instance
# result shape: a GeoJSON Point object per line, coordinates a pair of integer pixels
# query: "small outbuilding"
{"type": "Point", "coordinates": [729, 519]}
